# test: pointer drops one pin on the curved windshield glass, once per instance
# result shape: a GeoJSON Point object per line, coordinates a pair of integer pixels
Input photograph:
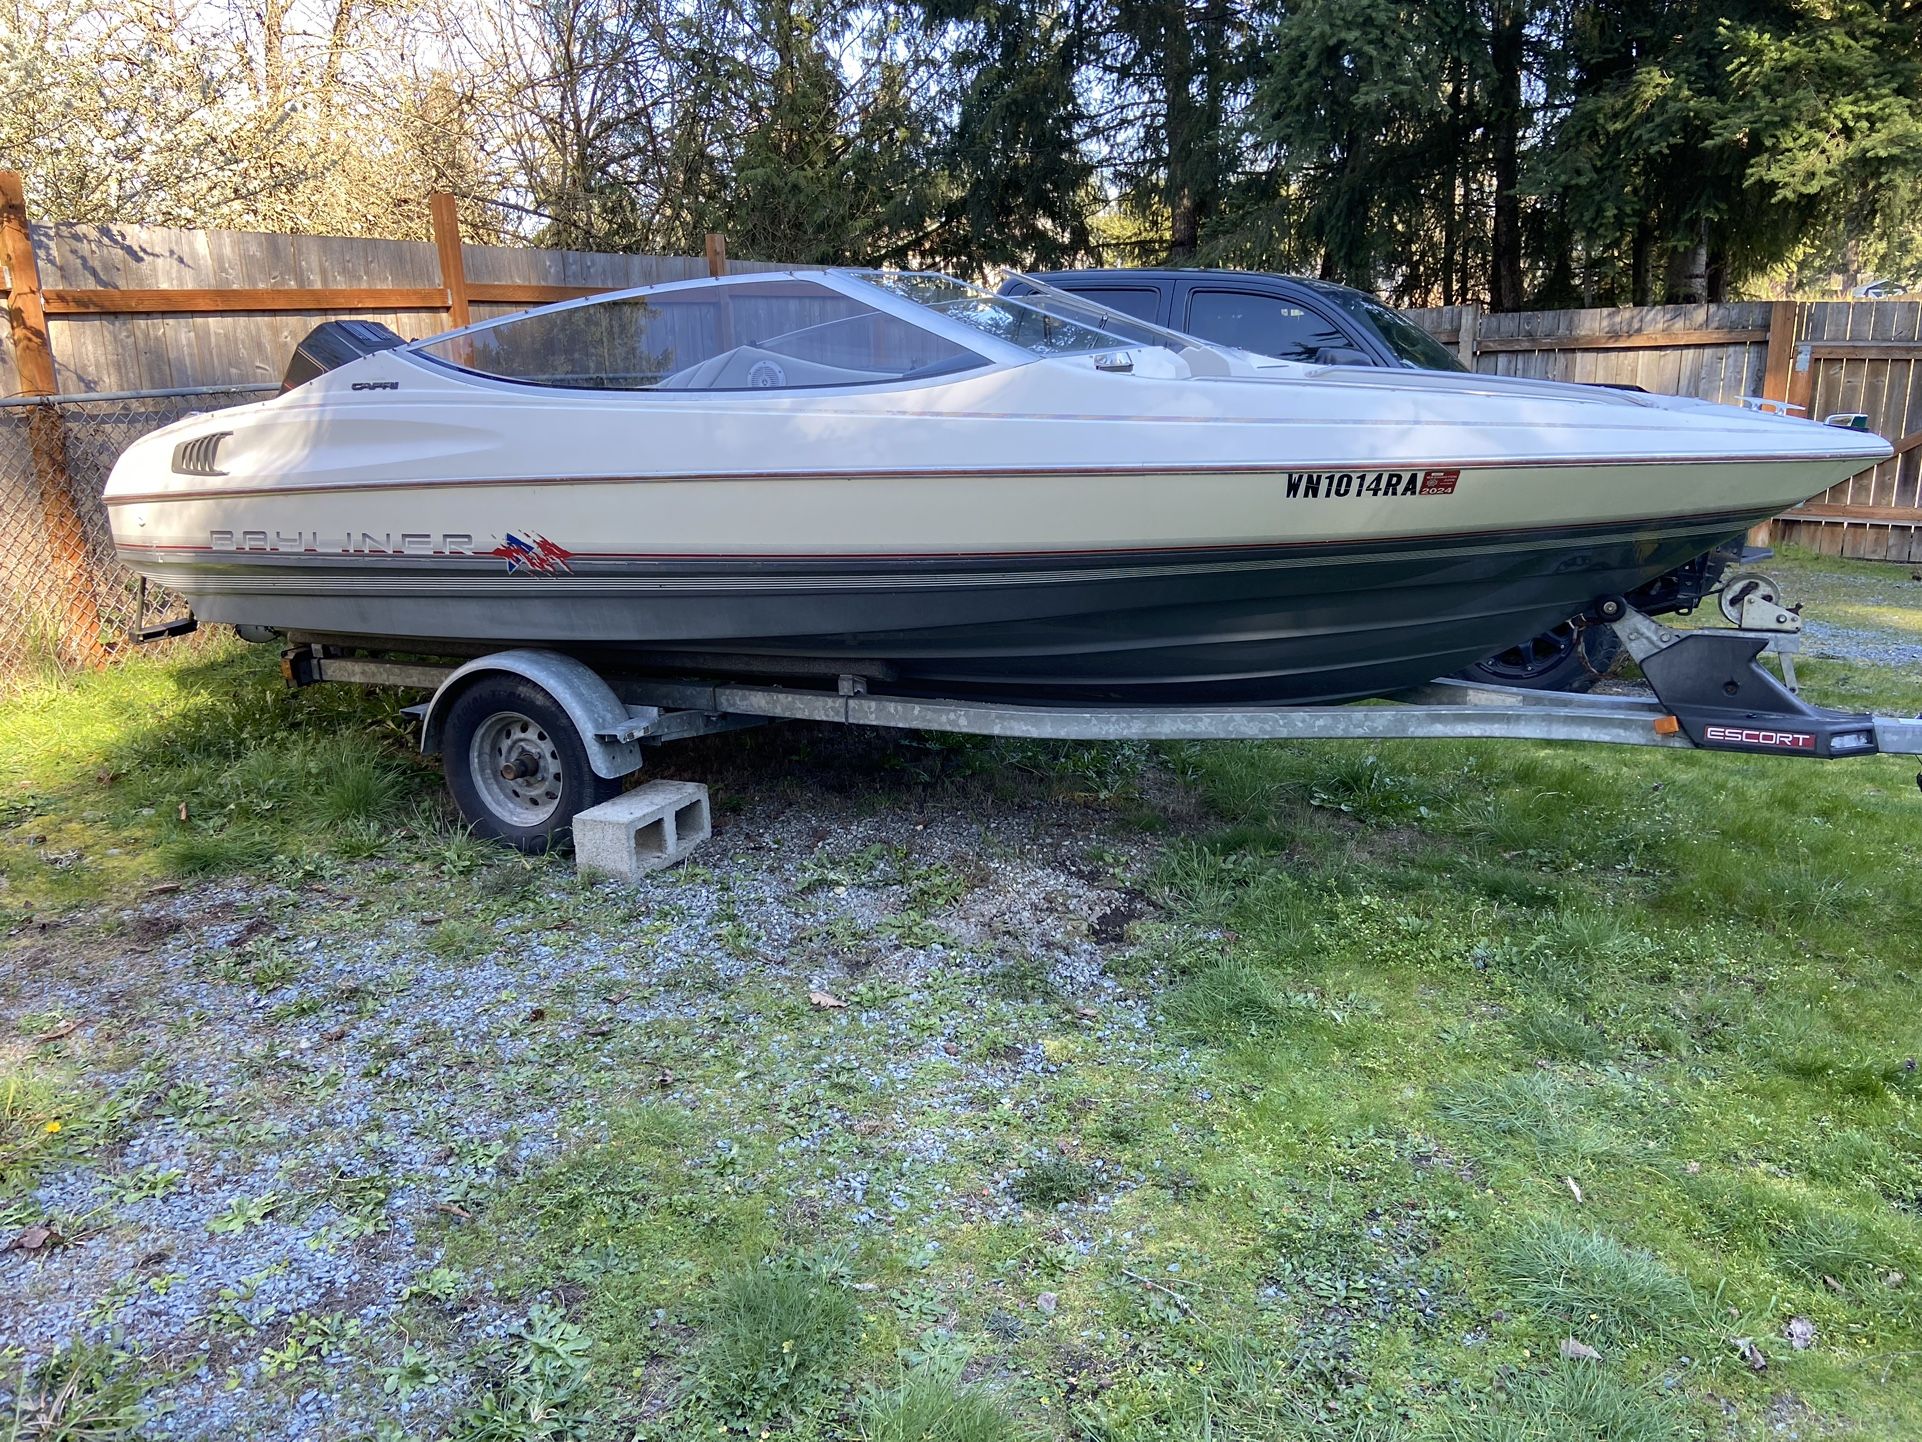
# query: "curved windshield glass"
{"type": "Point", "coordinates": [1412, 345]}
{"type": "Point", "coordinates": [1117, 322]}
{"type": "Point", "coordinates": [748, 335]}
{"type": "Point", "coordinates": [1048, 324]}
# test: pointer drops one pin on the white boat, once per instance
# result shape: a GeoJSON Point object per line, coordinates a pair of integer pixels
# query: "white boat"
{"type": "Point", "coordinates": [905, 477]}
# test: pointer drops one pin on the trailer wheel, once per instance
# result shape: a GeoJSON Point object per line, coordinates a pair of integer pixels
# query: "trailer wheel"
{"type": "Point", "coordinates": [1571, 657]}
{"type": "Point", "coordinates": [516, 765]}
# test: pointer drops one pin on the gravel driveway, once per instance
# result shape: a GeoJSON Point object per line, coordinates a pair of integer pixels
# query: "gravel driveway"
{"type": "Point", "coordinates": [290, 1096]}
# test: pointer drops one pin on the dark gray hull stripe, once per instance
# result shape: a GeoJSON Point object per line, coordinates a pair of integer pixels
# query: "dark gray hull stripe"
{"type": "Point", "coordinates": [335, 574]}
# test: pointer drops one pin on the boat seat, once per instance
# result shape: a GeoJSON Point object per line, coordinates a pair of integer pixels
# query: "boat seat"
{"type": "Point", "coordinates": [749, 368]}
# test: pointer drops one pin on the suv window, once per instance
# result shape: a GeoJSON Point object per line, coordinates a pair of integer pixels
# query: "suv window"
{"type": "Point", "coordinates": [1138, 301]}
{"type": "Point", "coordinates": [1413, 346]}
{"type": "Point", "coordinates": [1264, 324]}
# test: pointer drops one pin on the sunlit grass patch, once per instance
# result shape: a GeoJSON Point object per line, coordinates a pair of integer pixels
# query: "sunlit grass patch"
{"type": "Point", "coordinates": [200, 763]}
{"type": "Point", "coordinates": [215, 853]}
{"type": "Point", "coordinates": [931, 1404]}
{"type": "Point", "coordinates": [460, 938]}
{"type": "Point", "coordinates": [1590, 1283]}
{"type": "Point", "coordinates": [1052, 1181]}
{"type": "Point", "coordinates": [774, 1334]}
{"type": "Point", "coordinates": [1230, 999]}
{"type": "Point", "coordinates": [1574, 1402]}
{"type": "Point", "coordinates": [82, 1393]}
{"type": "Point", "coordinates": [1561, 1119]}
{"type": "Point", "coordinates": [32, 1118]}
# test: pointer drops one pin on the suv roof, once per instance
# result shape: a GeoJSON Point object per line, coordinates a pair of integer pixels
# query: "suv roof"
{"type": "Point", "coordinates": [1189, 272]}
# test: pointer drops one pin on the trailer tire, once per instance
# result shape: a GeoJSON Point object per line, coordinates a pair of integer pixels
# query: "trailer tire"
{"type": "Point", "coordinates": [516, 765]}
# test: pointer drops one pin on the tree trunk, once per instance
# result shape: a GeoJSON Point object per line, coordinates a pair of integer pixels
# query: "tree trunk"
{"type": "Point", "coordinates": [1453, 200]}
{"type": "Point", "coordinates": [1505, 127]}
{"type": "Point", "coordinates": [1688, 273]}
{"type": "Point", "coordinates": [273, 52]}
{"type": "Point", "coordinates": [1641, 262]}
{"type": "Point", "coordinates": [1186, 133]}
{"type": "Point", "coordinates": [1851, 263]}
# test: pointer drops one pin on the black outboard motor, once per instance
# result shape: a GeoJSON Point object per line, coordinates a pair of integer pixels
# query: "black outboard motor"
{"type": "Point", "coordinates": [334, 343]}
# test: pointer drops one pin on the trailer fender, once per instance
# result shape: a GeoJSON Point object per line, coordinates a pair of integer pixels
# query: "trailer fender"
{"type": "Point", "coordinates": [590, 703]}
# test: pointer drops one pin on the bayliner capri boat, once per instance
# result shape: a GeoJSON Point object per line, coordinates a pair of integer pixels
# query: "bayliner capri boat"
{"type": "Point", "coordinates": [904, 476]}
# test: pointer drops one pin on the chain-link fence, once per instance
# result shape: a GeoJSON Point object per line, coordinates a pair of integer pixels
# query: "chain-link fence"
{"type": "Point", "coordinates": [66, 600]}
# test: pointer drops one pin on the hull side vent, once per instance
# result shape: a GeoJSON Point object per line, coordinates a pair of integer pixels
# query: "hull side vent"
{"type": "Point", "coordinates": [200, 456]}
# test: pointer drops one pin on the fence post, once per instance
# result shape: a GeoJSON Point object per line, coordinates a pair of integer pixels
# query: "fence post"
{"type": "Point", "coordinates": [716, 254]}
{"type": "Point", "coordinates": [1784, 320]}
{"type": "Point", "coordinates": [68, 574]}
{"type": "Point", "coordinates": [445, 211]}
{"type": "Point", "coordinates": [1778, 362]}
{"type": "Point", "coordinates": [1470, 336]}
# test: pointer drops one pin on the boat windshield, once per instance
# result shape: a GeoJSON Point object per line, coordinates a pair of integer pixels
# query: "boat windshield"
{"type": "Point", "coordinates": [1118, 322]}
{"type": "Point", "coordinates": [1048, 322]}
{"type": "Point", "coordinates": [777, 334]}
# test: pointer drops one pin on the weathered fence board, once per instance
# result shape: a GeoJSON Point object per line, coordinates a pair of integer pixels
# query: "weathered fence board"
{"type": "Point", "coordinates": [1866, 356]}
{"type": "Point", "coordinates": [140, 307]}
{"type": "Point", "coordinates": [1713, 351]}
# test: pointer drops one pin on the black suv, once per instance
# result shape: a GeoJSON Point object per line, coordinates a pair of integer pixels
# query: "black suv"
{"type": "Point", "coordinates": [1310, 320]}
{"type": "Point", "coordinates": [1277, 315]}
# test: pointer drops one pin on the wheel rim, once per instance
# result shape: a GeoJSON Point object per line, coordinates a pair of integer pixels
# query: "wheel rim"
{"type": "Point", "coordinates": [516, 768]}
{"type": "Point", "coordinates": [1537, 655]}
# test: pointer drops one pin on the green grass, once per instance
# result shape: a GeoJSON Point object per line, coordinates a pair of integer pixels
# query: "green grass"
{"type": "Point", "coordinates": [198, 764]}
{"type": "Point", "coordinates": [775, 1335]}
{"type": "Point", "coordinates": [1589, 1282]}
{"type": "Point", "coordinates": [1052, 1182]}
{"type": "Point", "coordinates": [1426, 1058]}
{"type": "Point", "coordinates": [1575, 1402]}
{"type": "Point", "coordinates": [932, 1405]}
{"type": "Point", "coordinates": [83, 1393]}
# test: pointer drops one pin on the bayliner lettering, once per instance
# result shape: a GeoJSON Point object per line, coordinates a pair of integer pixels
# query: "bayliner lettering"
{"type": "Point", "coordinates": [1749, 736]}
{"type": "Point", "coordinates": [1334, 485]}
{"type": "Point", "coordinates": [348, 543]}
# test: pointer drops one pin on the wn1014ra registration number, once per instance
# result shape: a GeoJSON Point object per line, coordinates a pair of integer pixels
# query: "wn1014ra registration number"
{"type": "Point", "coordinates": [1334, 485]}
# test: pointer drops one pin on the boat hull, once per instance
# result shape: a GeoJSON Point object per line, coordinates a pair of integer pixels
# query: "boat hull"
{"type": "Point", "coordinates": [1277, 622]}
{"type": "Point", "coordinates": [1042, 529]}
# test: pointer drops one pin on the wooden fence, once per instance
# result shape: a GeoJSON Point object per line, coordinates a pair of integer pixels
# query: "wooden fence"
{"type": "Point", "coordinates": [143, 307]}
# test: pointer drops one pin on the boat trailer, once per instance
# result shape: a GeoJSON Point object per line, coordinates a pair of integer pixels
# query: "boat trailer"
{"type": "Point", "coordinates": [1707, 690]}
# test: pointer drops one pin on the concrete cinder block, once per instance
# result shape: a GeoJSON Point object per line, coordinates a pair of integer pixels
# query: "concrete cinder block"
{"type": "Point", "coordinates": [654, 825]}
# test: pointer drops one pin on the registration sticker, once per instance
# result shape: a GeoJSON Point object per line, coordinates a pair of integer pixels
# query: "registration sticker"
{"type": "Point", "coordinates": [1337, 485]}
